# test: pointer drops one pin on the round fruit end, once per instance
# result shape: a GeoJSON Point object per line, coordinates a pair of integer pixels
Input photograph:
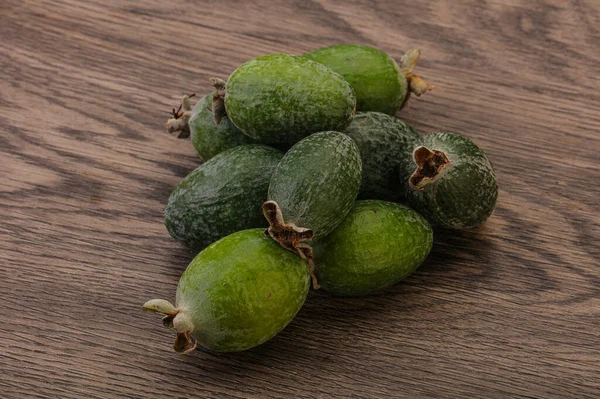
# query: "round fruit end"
{"type": "Point", "coordinates": [429, 165]}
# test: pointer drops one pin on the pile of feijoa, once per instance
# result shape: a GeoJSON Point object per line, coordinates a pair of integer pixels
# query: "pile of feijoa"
{"type": "Point", "coordinates": [309, 179]}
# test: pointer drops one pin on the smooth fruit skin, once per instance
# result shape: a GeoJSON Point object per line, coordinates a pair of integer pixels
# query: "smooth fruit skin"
{"type": "Point", "coordinates": [210, 139]}
{"type": "Point", "coordinates": [464, 194]}
{"type": "Point", "coordinates": [241, 291]}
{"type": "Point", "coordinates": [380, 138]}
{"type": "Point", "coordinates": [282, 98]}
{"type": "Point", "coordinates": [317, 181]}
{"type": "Point", "coordinates": [378, 244]}
{"type": "Point", "coordinates": [221, 196]}
{"type": "Point", "coordinates": [375, 77]}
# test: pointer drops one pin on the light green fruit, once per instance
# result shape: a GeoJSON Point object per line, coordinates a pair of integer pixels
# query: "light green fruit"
{"type": "Point", "coordinates": [378, 82]}
{"type": "Point", "coordinates": [378, 244]}
{"type": "Point", "coordinates": [236, 294]}
{"type": "Point", "coordinates": [281, 98]}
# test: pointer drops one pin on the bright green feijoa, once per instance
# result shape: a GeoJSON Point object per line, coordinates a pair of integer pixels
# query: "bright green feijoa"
{"type": "Point", "coordinates": [236, 294]}
{"type": "Point", "coordinates": [316, 182]}
{"type": "Point", "coordinates": [221, 196]}
{"type": "Point", "coordinates": [210, 139]}
{"type": "Point", "coordinates": [449, 180]}
{"type": "Point", "coordinates": [378, 244]}
{"type": "Point", "coordinates": [282, 98]}
{"type": "Point", "coordinates": [378, 82]}
{"type": "Point", "coordinates": [380, 139]}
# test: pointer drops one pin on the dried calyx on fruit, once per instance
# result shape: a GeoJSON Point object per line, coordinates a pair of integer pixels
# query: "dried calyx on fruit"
{"type": "Point", "coordinates": [429, 165]}
{"type": "Point", "coordinates": [449, 180]}
{"type": "Point", "coordinates": [178, 123]}
{"type": "Point", "coordinates": [290, 236]}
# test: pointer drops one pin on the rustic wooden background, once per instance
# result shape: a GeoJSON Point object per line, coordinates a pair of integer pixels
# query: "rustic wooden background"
{"type": "Point", "coordinates": [509, 310]}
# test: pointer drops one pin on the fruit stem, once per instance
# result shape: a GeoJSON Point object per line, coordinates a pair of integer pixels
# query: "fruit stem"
{"type": "Point", "coordinates": [290, 237]}
{"type": "Point", "coordinates": [429, 165]}
{"type": "Point", "coordinates": [176, 319]}
{"type": "Point", "coordinates": [178, 123]}
{"type": "Point", "coordinates": [416, 85]}
{"type": "Point", "coordinates": [218, 99]}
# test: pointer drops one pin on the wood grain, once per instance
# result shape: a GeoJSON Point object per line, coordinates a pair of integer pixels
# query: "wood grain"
{"type": "Point", "coordinates": [511, 309]}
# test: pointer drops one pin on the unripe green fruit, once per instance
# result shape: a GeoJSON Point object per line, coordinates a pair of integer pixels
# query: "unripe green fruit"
{"type": "Point", "coordinates": [221, 196]}
{"type": "Point", "coordinates": [236, 294]}
{"type": "Point", "coordinates": [378, 244]}
{"type": "Point", "coordinates": [449, 180]}
{"type": "Point", "coordinates": [282, 98]}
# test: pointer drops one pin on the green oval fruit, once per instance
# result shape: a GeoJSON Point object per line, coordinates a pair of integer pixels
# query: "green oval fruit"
{"type": "Point", "coordinates": [236, 294]}
{"type": "Point", "coordinates": [317, 181]}
{"type": "Point", "coordinates": [378, 82]}
{"type": "Point", "coordinates": [378, 244]}
{"type": "Point", "coordinates": [210, 139]}
{"type": "Point", "coordinates": [449, 180]}
{"type": "Point", "coordinates": [281, 98]}
{"type": "Point", "coordinates": [221, 196]}
{"type": "Point", "coordinates": [380, 138]}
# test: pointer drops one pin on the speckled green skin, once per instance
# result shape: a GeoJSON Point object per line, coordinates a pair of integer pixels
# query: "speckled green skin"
{"type": "Point", "coordinates": [210, 139]}
{"type": "Point", "coordinates": [241, 291]}
{"type": "Point", "coordinates": [374, 75]}
{"type": "Point", "coordinates": [317, 181]}
{"type": "Point", "coordinates": [380, 138]}
{"type": "Point", "coordinates": [464, 194]}
{"type": "Point", "coordinates": [282, 98]}
{"type": "Point", "coordinates": [221, 196]}
{"type": "Point", "coordinates": [378, 244]}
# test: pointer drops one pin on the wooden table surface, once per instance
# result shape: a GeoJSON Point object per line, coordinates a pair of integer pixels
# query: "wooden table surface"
{"type": "Point", "coordinates": [511, 309]}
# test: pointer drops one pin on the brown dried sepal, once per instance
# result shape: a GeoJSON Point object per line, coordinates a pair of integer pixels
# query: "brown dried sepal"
{"type": "Point", "coordinates": [184, 343]}
{"type": "Point", "coordinates": [178, 122]}
{"type": "Point", "coordinates": [429, 166]}
{"type": "Point", "coordinates": [174, 319]}
{"type": "Point", "coordinates": [218, 99]}
{"type": "Point", "coordinates": [290, 236]}
{"type": "Point", "coordinates": [416, 84]}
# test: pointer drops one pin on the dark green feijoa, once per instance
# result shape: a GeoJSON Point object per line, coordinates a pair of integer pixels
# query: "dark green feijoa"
{"type": "Point", "coordinates": [378, 82]}
{"type": "Point", "coordinates": [282, 98]}
{"type": "Point", "coordinates": [312, 190]}
{"type": "Point", "coordinates": [449, 180]}
{"type": "Point", "coordinates": [210, 139]}
{"type": "Point", "coordinates": [317, 181]}
{"type": "Point", "coordinates": [236, 294]}
{"type": "Point", "coordinates": [221, 196]}
{"type": "Point", "coordinates": [380, 138]}
{"type": "Point", "coordinates": [378, 244]}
